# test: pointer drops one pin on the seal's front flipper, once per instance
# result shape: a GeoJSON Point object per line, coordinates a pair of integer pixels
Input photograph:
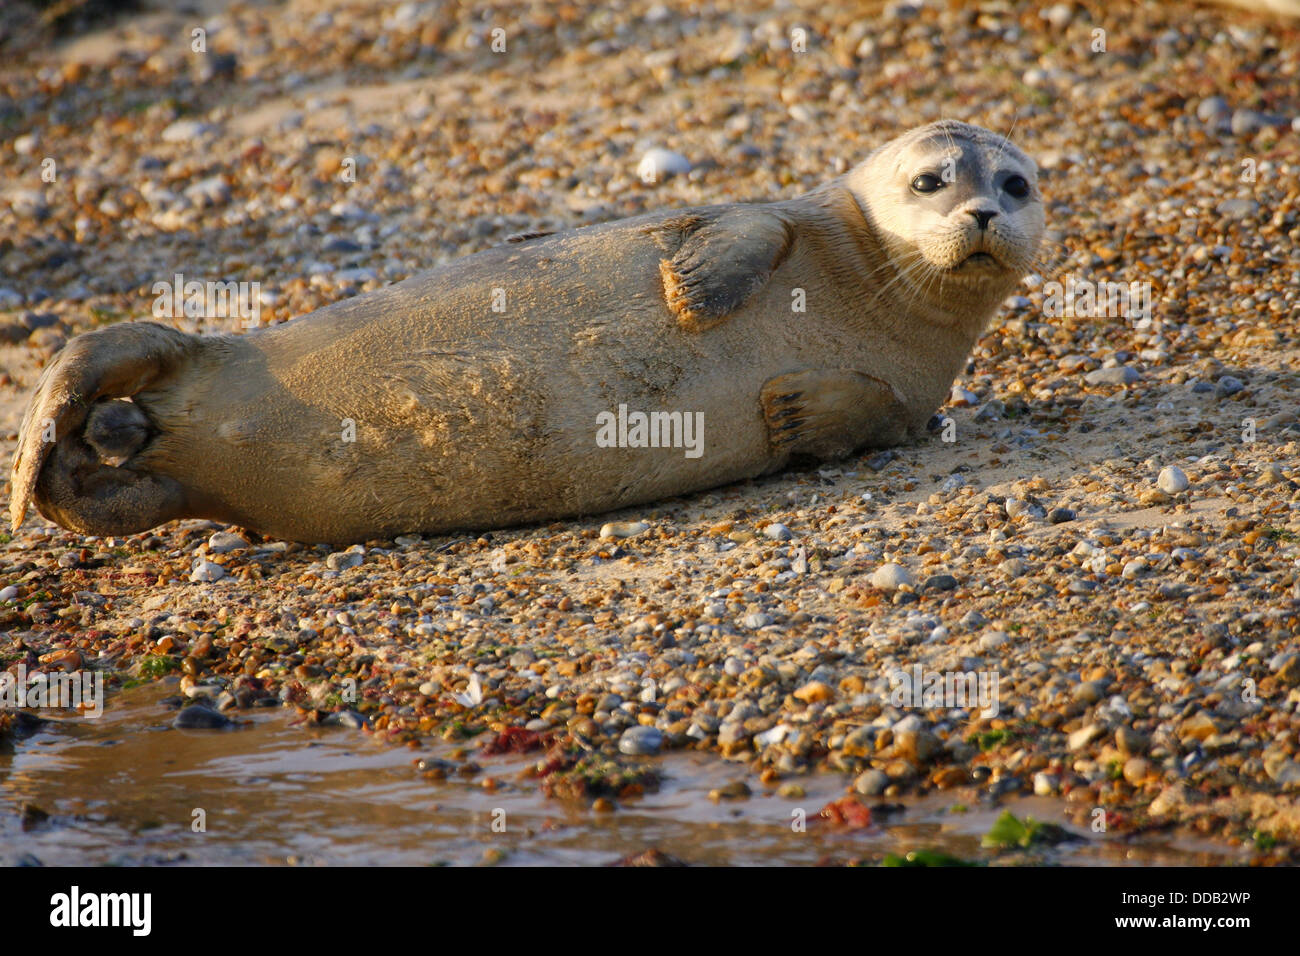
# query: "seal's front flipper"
{"type": "Point", "coordinates": [828, 413]}
{"type": "Point", "coordinates": [716, 262]}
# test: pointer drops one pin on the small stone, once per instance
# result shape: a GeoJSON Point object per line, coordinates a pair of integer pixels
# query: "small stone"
{"type": "Point", "coordinates": [917, 746]}
{"type": "Point", "coordinates": [8, 593]}
{"type": "Point", "coordinates": [1271, 474]}
{"type": "Point", "coordinates": [1228, 385]}
{"type": "Point", "coordinates": [738, 790]}
{"type": "Point", "coordinates": [658, 164]}
{"type": "Point", "coordinates": [1089, 692]}
{"type": "Point", "coordinates": [1136, 770]}
{"type": "Point", "coordinates": [1119, 375]}
{"type": "Point", "coordinates": [891, 577]}
{"type": "Point", "coordinates": [1130, 742]}
{"type": "Point", "coordinates": [962, 397]}
{"type": "Point", "coordinates": [342, 560]}
{"type": "Point", "coordinates": [1198, 727]}
{"type": "Point", "coordinates": [1246, 122]}
{"type": "Point", "coordinates": [199, 717]}
{"type": "Point", "coordinates": [1172, 480]}
{"type": "Point", "coordinates": [340, 244]}
{"type": "Point", "coordinates": [1237, 208]}
{"type": "Point", "coordinates": [1045, 784]}
{"type": "Point", "coordinates": [814, 692]}
{"type": "Point", "coordinates": [1168, 801]}
{"type": "Point", "coordinates": [1213, 110]}
{"type": "Point", "coordinates": [939, 582]}
{"type": "Point", "coordinates": [623, 529]}
{"type": "Point", "coordinates": [641, 741]}
{"type": "Point", "coordinates": [1061, 515]}
{"type": "Point", "coordinates": [1084, 736]}
{"type": "Point", "coordinates": [871, 783]}
{"type": "Point", "coordinates": [206, 572]}
{"type": "Point", "coordinates": [778, 532]}
{"type": "Point", "coordinates": [215, 66]}
{"type": "Point", "coordinates": [224, 542]}
{"type": "Point", "coordinates": [992, 640]}
{"type": "Point", "coordinates": [212, 191]}
{"type": "Point", "coordinates": [1058, 15]}
{"type": "Point", "coordinates": [757, 620]}
{"type": "Point", "coordinates": [187, 130]}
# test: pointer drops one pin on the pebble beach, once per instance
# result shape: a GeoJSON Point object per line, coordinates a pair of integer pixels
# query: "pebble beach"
{"type": "Point", "coordinates": [1103, 527]}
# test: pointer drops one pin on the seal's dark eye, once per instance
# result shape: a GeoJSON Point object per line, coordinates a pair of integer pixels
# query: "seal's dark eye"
{"type": "Point", "coordinates": [1017, 186]}
{"type": "Point", "coordinates": [926, 183]}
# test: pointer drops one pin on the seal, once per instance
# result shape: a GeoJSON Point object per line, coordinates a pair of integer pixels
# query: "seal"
{"type": "Point", "coordinates": [485, 393]}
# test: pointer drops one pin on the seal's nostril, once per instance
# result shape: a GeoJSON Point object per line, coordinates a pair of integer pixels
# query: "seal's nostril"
{"type": "Point", "coordinates": [982, 216]}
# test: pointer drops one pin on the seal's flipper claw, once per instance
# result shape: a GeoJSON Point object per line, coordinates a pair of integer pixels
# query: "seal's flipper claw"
{"type": "Point", "coordinates": [117, 361]}
{"type": "Point", "coordinates": [828, 413]}
{"type": "Point", "coordinates": [717, 263]}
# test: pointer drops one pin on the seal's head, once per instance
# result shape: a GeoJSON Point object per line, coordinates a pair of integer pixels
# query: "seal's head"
{"type": "Point", "coordinates": [956, 207]}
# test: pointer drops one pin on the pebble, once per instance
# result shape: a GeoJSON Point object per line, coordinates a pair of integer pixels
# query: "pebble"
{"type": "Point", "coordinates": [939, 582]}
{"type": "Point", "coordinates": [641, 741]}
{"type": "Point", "coordinates": [871, 783]}
{"type": "Point", "coordinates": [187, 130]}
{"type": "Point", "coordinates": [1213, 110]}
{"type": "Point", "coordinates": [1228, 385]}
{"type": "Point", "coordinates": [1246, 122]}
{"type": "Point", "coordinates": [1119, 375]}
{"type": "Point", "coordinates": [1237, 208]}
{"type": "Point", "coordinates": [1172, 480]}
{"type": "Point", "coordinates": [206, 572]}
{"type": "Point", "coordinates": [1082, 737]}
{"type": "Point", "coordinates": [814, 692]}
{"type": "Point", "coordinates": [199, 717]}
{"type": "Point", "coordinates": [1136, 770]}
{"type": "Point", "coordinates": [623, 529]}
{"type": "Point", "coordinates": [343, 560]}
{"type": "Point", "coordinates": [962, 397]}
{"type": "Point", "coordinates": [891, 577]}
{"type": "Point", "coordinates": [658, 164]}
{"type": "Point", "coordinates": [8, 593]}
{"type": "Point", "coordinates": [778, 532]}
{"type": "Point", "coordinates": [224, 542]}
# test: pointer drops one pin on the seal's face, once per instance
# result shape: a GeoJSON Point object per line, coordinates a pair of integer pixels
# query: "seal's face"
{"type": "Point", "coordinates": [955, 204]}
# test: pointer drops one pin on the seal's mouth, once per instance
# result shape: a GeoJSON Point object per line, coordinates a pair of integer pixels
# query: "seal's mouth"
{"type": "Point", "coordinates": [978, 259]}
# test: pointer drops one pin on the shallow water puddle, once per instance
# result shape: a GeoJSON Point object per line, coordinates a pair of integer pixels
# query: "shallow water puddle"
{"type": "Point", "coordinates": [124, 789]}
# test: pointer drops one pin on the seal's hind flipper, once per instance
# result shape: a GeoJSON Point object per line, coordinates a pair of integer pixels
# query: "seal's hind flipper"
{"type": "Point", "coordinates": [830, 412]}
{"type": "Point", "coordinates": [718, 262]}
{"type": "Point", "coordinates": [55, 465]}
